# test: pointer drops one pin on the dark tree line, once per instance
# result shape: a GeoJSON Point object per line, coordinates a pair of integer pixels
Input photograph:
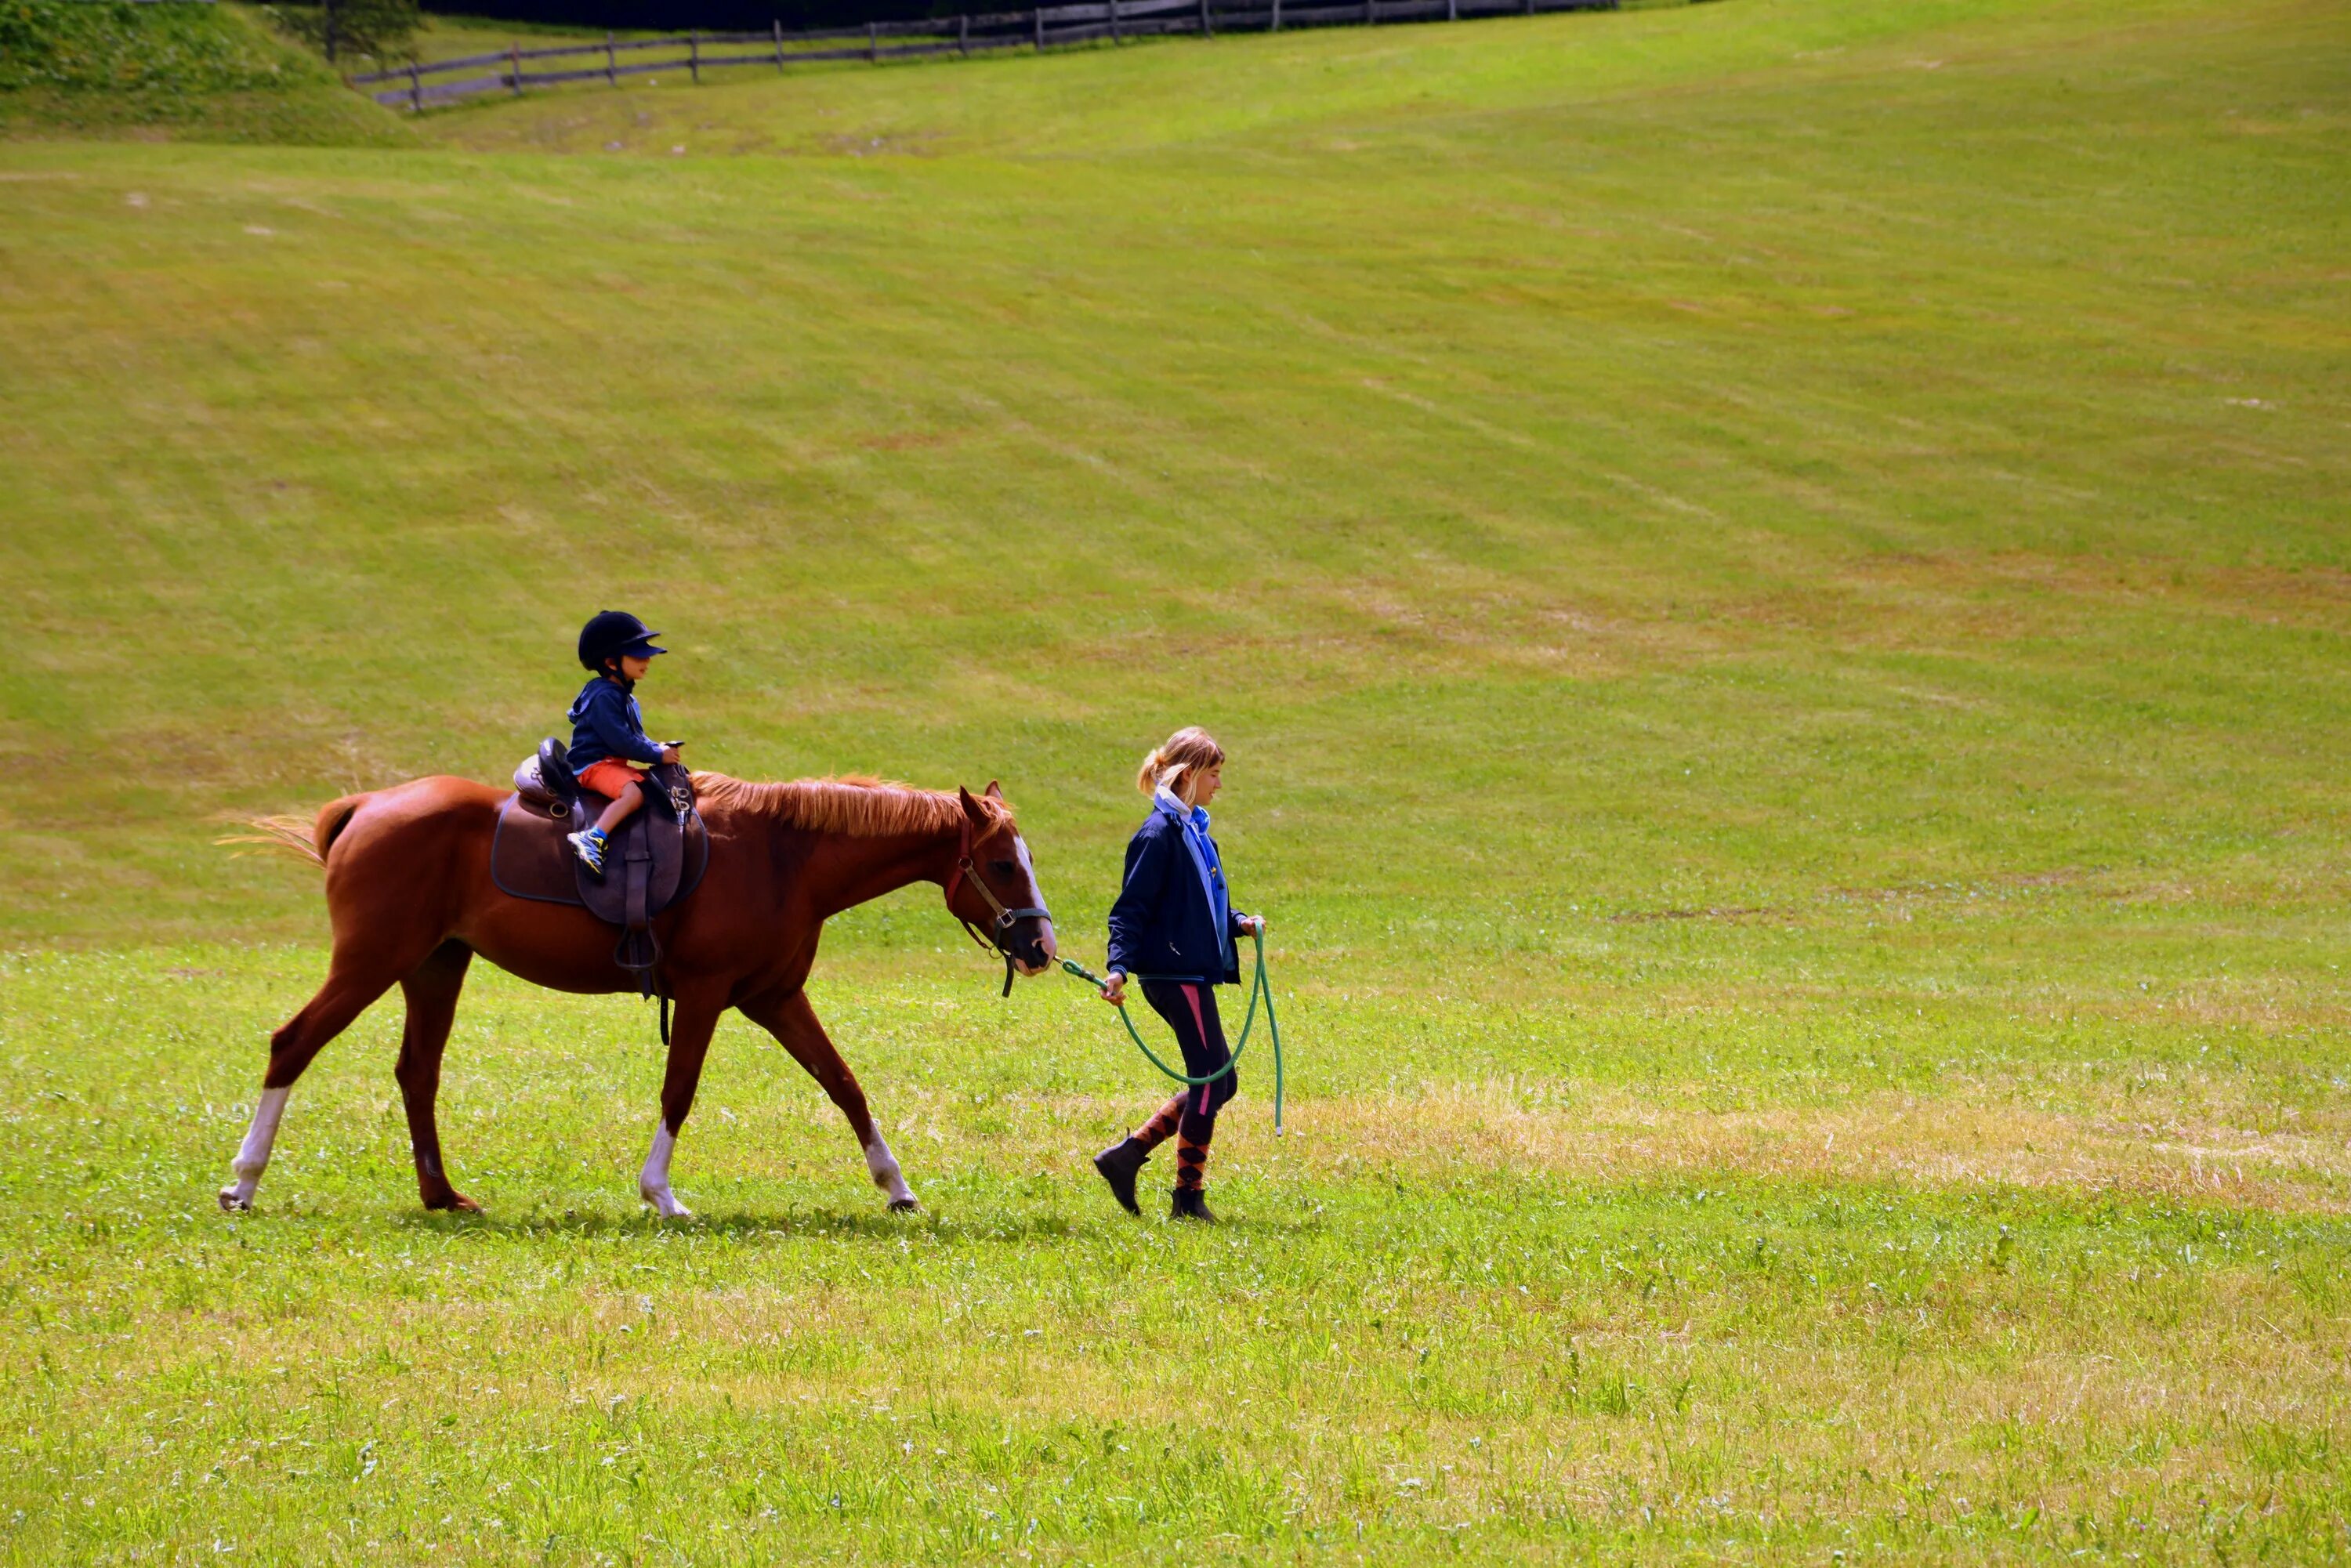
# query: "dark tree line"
{"type": "Point", "coordinates": [342, 28]}
{"type": "Point", "coordinates": [712, 15]}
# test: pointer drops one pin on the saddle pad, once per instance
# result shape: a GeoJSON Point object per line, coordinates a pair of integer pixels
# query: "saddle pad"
{"type": "Point", "coordinates": [530, 858]}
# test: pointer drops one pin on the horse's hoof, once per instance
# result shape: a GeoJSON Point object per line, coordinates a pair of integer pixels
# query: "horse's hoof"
{"type": "Point", "coordinates": [453, 1202]}
{"type": "Point", "coordinates": [232, 1204]}
{"type": "Point", "coordinates": [904, 1206]}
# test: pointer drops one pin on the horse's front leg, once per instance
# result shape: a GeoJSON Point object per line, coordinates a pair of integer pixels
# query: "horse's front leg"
{"type": "Point", "coordinates": [689, 1042]}
{"type": "Point", "coordinates": [790, 1018]}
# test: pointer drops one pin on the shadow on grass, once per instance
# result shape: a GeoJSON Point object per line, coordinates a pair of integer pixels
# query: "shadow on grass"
{"type": "Point", "coordinates": [751, 1226]}
{"type": "Point", "coordinates": [757, 1227]}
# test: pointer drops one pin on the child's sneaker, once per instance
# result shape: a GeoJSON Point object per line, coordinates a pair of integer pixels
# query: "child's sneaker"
{"type": "Point", "coordinates": [590, 847]}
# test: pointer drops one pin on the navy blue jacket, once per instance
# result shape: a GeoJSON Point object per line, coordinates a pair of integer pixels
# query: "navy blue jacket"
{"type": "Point", "coordinates": [605, 723]}
{"type": "Point", "coordinates": [1163, 922]}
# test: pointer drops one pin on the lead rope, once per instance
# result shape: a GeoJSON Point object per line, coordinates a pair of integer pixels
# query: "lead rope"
{"type": "Point", "coordinates": [1259, 990]}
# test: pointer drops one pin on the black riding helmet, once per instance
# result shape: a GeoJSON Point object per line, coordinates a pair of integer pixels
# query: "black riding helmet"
{"type": "Point", "coordinates": [611, 633]}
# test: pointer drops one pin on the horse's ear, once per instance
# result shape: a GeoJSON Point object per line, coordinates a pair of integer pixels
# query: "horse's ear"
{"type": "Point", "coordinates": [992, 791]}
{"type": "Point", "coordinates": [971, 807]}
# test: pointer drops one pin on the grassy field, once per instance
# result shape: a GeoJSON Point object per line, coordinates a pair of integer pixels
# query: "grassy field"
{"type": "Point", "coordinates": [1776, 578]}
{"type": "Point", "coordinates": [83, 69]}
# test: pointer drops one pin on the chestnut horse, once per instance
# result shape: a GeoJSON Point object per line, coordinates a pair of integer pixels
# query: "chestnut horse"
{"type": "Point", "coordinates": [411, 899]}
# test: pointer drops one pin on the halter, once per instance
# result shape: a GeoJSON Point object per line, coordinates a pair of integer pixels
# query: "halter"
{"type": "Point", "coordinates": [1000, 930]}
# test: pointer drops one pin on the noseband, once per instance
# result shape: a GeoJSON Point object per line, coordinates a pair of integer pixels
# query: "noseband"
{"type": "Point", "coordinates": [1000, 930]}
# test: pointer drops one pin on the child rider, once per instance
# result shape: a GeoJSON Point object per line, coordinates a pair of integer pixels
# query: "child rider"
{"type": "Point", "coordinates": [608, 732]}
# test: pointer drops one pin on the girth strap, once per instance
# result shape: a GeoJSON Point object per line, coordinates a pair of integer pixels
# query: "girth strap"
{"type": "Point", "coordinates": [637, 951]}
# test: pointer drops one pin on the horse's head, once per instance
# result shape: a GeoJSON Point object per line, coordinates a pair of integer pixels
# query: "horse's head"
{"type": "Point", "coordinates": [994, 887]}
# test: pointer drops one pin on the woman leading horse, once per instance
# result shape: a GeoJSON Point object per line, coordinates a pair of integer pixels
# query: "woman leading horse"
{"type": "Point", "coordinates": [1172, 929]}
{"type": "Point", "coordinates": [411, 902]}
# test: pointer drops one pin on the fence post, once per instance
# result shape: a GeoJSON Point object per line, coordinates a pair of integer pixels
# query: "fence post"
{"type": "Point", "coordinates": [693, 55]}
{"type": "Point", "coordinates": [1208, 23]}
{"type": "Point", "coordinates": [779, 44]}
{"type": "Point", "coordinates": [1277, 16]}
{"type": "Point", "coordinates": [415, 89]}
{"type": "Point", "coordinates": [1371, 16]}
{"type": "Point", "coordinates": [963, 33]}
{"type": "Point", "coordinates": [1452, 10]}
{"type": "Point", "coordinates": [872, 43]}
{"type": "Point", "coordinates": [1038, 15]}
{"type": "Point", "coordinates": [1114, 36]}
{"type": "Point", "coordinates": [611, 64]}
{"type": "Point", "coordinates": [514, 65]}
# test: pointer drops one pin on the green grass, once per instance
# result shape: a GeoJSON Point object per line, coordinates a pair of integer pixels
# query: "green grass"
{"type": "Point", "coordinates": [449, 37]}
{"type": "Point", "coordinates": [1775, 578]}
{"type": "Point", "coordinates": [78, 68]}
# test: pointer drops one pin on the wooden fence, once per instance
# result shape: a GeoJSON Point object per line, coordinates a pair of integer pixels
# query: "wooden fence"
{"type": "Point", "coordinates": [513, 70]}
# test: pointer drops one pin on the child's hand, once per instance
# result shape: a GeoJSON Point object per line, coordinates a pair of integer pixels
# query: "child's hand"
{"type": "Point", "coordinates": [1113, 989]}
{"type": "Point", "coordinates": [669, 754]}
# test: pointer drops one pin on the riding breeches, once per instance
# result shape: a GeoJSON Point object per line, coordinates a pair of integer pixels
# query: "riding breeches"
{"type": "Point", "coordinates": [1190, 1009]}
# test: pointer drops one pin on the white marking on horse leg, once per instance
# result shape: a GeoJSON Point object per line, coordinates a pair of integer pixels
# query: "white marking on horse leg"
{"type": "Point", "coordinates": [883, 1165]}
{"type": "Point", "coordinates": [253, 1154]}
{"type": "Point", "coordinates": [652, 1182]}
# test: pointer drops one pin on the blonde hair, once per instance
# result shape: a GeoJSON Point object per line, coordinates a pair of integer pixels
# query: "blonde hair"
{"type": "Point", "coordinates": [1174, 762]}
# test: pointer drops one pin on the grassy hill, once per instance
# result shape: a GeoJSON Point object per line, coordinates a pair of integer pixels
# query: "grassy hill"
{"type": "Point", "coordinates": [1776, 578]}
{"type": "Point", "coordinates": [155, 71]}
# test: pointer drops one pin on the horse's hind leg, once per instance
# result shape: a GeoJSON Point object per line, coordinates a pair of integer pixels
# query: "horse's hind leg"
{"type": "Point", "coordinates": [793, 1022]}
{"type": "Point", "coordinates": [348, 990]}
{"type": "Point", "coordinates": [432, 992]}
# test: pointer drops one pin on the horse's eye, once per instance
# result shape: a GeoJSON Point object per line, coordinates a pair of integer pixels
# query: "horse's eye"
{"type": "Point", "coordinates": [1003, 868]}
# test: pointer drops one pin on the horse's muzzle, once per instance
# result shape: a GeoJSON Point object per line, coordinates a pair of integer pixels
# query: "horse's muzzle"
{"type": "Point", "coordinates": [1033, 951]}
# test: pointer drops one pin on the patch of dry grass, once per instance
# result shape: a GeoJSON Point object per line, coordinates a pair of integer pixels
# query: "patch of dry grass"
{"type": "Point", "coordinates": [1963, 1139]}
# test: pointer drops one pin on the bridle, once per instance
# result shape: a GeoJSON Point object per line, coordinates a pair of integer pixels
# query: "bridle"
{"type": "Point", "coordinates": [999, 934]}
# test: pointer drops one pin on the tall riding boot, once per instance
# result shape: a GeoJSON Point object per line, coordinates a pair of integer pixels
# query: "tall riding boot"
{"type": "Point", "coordinates": [1191, 1169]}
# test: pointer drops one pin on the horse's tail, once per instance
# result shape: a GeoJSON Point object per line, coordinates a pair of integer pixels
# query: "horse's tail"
{"type": "Point", "coordinates": [310, 840]}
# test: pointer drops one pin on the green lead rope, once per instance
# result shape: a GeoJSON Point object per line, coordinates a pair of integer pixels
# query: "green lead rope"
{"type": "Point", "coordinates": [1258, 991]}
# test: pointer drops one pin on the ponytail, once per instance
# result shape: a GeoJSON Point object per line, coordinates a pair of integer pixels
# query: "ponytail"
{"type": "Point", "coordinates": [1187, 750]}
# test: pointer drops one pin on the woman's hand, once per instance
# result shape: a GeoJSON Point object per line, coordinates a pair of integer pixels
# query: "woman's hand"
{"type": "Point", "coordinates": [1113, 989]}
{"type": "Point", "coordinates": [1252, 924]}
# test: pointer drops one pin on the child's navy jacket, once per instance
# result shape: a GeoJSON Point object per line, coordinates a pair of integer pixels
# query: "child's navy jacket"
{"type": "Point", "coordinates": [1164, 923]}
{"type": "Point", "coordinates": [605, 723]}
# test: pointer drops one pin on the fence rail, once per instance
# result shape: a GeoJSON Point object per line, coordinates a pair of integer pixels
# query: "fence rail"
{"type": "Point", "coordinates": [1046, 26]}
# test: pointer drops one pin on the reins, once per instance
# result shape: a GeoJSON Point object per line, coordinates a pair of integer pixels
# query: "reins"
{"type": "Point", "coordinates": [1260, 990]}
{"type": "Point", "coordinates": [997, 938]}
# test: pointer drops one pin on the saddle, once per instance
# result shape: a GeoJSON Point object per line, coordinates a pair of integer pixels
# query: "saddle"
{"type": "Point", "coordinates": [653, 862]}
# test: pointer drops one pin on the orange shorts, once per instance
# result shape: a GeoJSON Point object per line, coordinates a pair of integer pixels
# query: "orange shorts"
{"type": "Point", "coordinates": [608, 777]}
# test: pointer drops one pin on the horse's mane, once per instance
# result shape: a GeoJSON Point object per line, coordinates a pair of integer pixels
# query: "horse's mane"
{"type": "Point", "coordinates": [856, 806]}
